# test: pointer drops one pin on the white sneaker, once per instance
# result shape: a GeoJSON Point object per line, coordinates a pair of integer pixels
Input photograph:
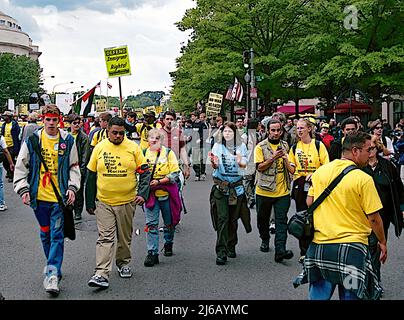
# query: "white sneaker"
{"type": "Point", "coordinates": [3, 207]}
{"type": "Point", "coordinates": [51, 284]}
{"type": "Point", "coordinates": [203, 177]}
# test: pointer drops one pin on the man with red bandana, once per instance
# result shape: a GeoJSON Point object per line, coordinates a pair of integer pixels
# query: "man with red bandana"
{"type": "Point", "coordinates": [33, 183]}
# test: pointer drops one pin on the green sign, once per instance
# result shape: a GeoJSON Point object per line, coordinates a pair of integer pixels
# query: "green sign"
{"type": "Point", "coordinates": [259, 78]}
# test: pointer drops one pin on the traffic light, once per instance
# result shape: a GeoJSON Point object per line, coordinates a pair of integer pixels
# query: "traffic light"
{"type": "Point", "coordinates": [246, 59]}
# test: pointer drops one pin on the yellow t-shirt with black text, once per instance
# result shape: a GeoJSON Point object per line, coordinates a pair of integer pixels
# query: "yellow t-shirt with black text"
{"type": "Point", "coordinates": [167, 163]}
{"type": "Point", "coordinates": [342, 216]}
{"type": "Point", "coordinates": [50, 154]}
{"type": "Point", "coordinates": [7, 135]}
{"type": "Point", "coordinates": [281, 185]}
{"type": "Point", "coordinates": [116, 166]}
{"type": "Point", "coordinates": [307, 159]}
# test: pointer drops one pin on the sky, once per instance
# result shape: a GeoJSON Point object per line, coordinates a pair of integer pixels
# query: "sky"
{"type": "Point", "coordinates": [72, 36]}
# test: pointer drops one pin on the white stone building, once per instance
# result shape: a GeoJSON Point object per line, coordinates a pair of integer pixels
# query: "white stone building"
{"type": "Point", "coordinates": [14, 40]}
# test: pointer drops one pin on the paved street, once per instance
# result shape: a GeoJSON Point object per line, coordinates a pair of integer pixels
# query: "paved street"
{"type": "Point", "coordinates": [191, 273]}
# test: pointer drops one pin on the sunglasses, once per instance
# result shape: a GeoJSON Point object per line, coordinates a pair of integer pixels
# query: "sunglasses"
{"type": "Point", "coordinates": [378, 127]}
{"type": "Point", "coordinates": [116, 133]}
{"type": "Point", "coordinates": [76, 123]}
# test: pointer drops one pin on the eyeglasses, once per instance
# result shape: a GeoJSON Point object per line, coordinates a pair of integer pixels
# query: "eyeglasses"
{"type": "Point", "coordinates": [116, 133]}
{"type": "Point", "coordinates": [378, 127]}
{"type": "Point", "coordinates": [370, 149]}
{"type": "Point", "coordinates": [52, 119]}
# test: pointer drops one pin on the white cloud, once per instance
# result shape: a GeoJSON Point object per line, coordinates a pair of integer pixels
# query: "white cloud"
{"type": "Point", "coordinates": [72, 43]}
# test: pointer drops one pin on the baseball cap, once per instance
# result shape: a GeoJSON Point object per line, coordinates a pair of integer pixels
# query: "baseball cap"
{"type": "Point", "coordinates": [325, 125]}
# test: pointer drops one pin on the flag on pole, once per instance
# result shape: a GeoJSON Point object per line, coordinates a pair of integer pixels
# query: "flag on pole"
{"type": "Point", "coordinates": [228, 93]}
{"type": "Point", "coordinates": [237, 91]}
{"type": "Point", "coordinates": [109, 85]}
{"type": "Point", "coordinates": [98, 85]}
{"type": "Point", "coordinates": [82, 105]}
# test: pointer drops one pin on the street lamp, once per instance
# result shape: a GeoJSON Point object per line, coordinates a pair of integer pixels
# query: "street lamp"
{"type": "Point", "coordinates": [59, 84]}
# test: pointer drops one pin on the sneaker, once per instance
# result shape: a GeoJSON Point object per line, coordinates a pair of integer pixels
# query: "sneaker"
{"type": "Point", "coordinates": [272, 228]}
{"type": "Point", "coordinates": [151, 259]}
{"type": "Point", "coordinates": [77, 216]}
{"type": "Point", "coordinates": [168, 249]}
{"type": "Point", "coordinates": [197, 179]}
{"type": "Point", "coordinates": [98, 282]}
{"type": "Point", "coordinates": [220, 261]}
{"type": "Point", "coordinates": [10, 179]}
{"type": "Point", "coordinates": [51, 285]}
{"type": "Point", "coordinates": [231, 253]}
{"type": "Point", "coordinates": [3, 207]}
{"type": "Point", "coordinates": [125, 272]}
{"type": "Point", "coordinates": [203, 177]}
{"type": "Point", "coordinates": [301, 259]}
{"type": "Point", "coordinates": [287, 254]}
{"type": "Point", "coordinates": [264, 246]}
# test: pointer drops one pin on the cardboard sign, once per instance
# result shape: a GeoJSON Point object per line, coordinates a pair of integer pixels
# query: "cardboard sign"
{"type": "Point", "coordinates": [214, 104]}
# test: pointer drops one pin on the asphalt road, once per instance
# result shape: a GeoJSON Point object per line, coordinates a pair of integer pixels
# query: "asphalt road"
{"type": "Point", "coordinates": [190, 274]}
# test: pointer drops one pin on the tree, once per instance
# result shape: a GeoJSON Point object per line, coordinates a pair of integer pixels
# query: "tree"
{"type": "Point", "coordinates": [19, 77]}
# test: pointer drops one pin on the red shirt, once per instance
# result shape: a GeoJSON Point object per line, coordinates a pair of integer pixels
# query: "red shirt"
{"type": "Point", "coordinates": [327, 139]}
{"type": "Point", "coordinates": [174, 140]}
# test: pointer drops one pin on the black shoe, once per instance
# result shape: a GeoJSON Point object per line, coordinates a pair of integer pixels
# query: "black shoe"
{"type": "Point", "coordinates": [220, 261]}
{"type": "Point", "coordinates": [264, 246]}
{"type": "Point", "coordinates": [232, 253]}
{"type": "Point", "coordinates": [168, 250]}
{"type": "Point", "coordinates": [287, 254]}
{"type": "Point", "coordinates": [151, 259]}
{"type": "Point", "coordinates": [77, 216]}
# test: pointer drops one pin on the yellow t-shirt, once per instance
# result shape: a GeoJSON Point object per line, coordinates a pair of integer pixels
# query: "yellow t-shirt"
{"type": "Point", "coordinates": [144, 135]}
{"type": "Point", "coordinates": [116, 170]}
{"type": "Point", "coordinates": [166, 164]}
{"type": "Point", "coordinates": [74, 135]}
{"type": "Point", "coordinates": [281, 186]}
{"type": "Point", "coordinates": [99, 136]}
{"type": "Point", "coordinates": [307, 159]}
{"type": "Point", "coordinates": [49, 150]}
{"type": "Point", "coordinates": [7, 135]}
{"type": "Point", "coordinates": [342, 216]}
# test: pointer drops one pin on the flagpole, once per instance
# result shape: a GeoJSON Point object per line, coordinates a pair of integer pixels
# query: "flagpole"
{"type": "Point", "coordinates": [120, 97]}
{"type": "Point", "coordinates": [107, 107]}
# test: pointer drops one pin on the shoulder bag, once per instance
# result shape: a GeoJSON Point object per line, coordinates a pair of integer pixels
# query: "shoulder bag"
{"type": "Point", "coordinates": [300, 225]}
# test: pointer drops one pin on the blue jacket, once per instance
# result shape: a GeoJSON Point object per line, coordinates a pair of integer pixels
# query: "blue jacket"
{"type": "Point", "coordinates": [26, 173]}
{"type": "Point", "coordinates": [15, 133]}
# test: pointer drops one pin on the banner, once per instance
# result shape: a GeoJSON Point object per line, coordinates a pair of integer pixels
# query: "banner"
{"type": "Point", "coordinates": [11, 105]}
{"type": "Point", "coordinates": [117, 61]}
{"type": "Point", "coordinates": [23, 109]}
{"type": "Point", "coordinates": [101, 105]}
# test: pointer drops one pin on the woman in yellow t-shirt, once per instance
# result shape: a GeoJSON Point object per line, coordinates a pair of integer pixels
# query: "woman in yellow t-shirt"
{"type": "Point", "coordinates": [164, 197]}
{"type": "Point", "coordinates": [306, 156]}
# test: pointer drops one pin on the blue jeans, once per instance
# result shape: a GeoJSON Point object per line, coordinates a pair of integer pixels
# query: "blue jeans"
{"type": "Point", "coordinates": [323, 290]}
{"type": "Point", "coordinates": [1, 186]}
{"type": "Point", "coordinates": [50, 219]}
{"type": "Point", "coordinates": [152, 222]}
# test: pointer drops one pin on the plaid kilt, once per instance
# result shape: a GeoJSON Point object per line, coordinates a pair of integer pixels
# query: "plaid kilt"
{"type": "Point", "coordinates": [347, 264]}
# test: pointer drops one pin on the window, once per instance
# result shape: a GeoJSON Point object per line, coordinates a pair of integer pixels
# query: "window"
{"type": "Point", "coordinates": [398, 110]}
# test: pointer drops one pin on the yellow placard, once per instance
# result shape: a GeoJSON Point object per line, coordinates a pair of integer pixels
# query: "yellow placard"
{"type": "Point", "coordinates": [23, 109]}
{"type": "Point", "coordinates": [117, 61]}
{"type": "Point", "coordinates": [101, 105]}
{"type": "Point", "coordinates": [214, 104]}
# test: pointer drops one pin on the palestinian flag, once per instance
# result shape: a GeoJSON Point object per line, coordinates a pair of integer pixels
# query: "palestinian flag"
{"type": "Point", "coordinates": [83, 104]}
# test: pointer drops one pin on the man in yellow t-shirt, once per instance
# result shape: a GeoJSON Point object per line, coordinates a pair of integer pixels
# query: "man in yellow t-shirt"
{"type": "Point", "coordinates": [34, 184]}
{"type": "Point", "coordinates": [10, 130]}
{"type": "Point", "coordinates": [143, 129]}
{"type": "Point", "coordinates": [112, 180]}
{"type": "Point", "coordinates": [342, 224]}
{"type": "Point", "coordinates": [273, 188]}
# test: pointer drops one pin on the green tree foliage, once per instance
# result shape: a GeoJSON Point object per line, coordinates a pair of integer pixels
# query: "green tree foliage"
{"type": "Point", "coordinates": [19, 77]}
{"type": "Point", "coordinates": [303, 48]}
{"type": "Point", "coordinates": [145, 99]}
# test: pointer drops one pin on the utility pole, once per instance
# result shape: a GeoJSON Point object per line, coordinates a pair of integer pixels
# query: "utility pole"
{"type": "Point", "coordinates": [253, 88]}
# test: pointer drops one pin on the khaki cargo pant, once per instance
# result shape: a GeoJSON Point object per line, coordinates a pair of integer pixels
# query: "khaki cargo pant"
{"type": "Point", "coordinates": [113, 222]}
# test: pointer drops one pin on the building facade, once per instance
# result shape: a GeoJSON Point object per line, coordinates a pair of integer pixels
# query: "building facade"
{"type": "Point", "coordinates": [14, 40]}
